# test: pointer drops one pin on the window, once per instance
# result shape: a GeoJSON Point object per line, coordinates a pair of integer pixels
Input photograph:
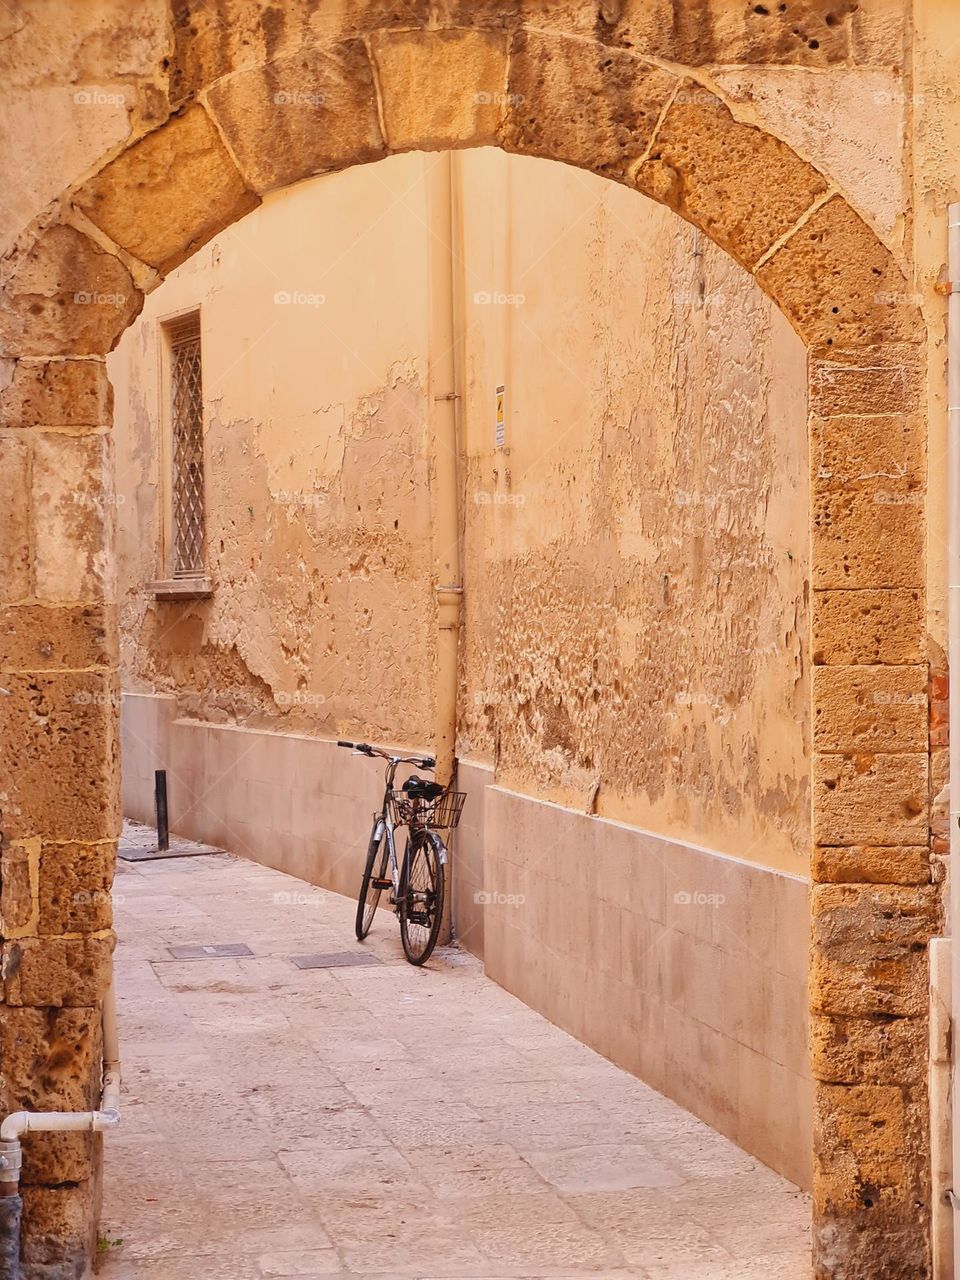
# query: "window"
{"type": "Point", "coordinates": [186, 448]}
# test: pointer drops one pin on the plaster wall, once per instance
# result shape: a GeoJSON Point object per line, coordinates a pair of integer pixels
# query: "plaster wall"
{"type": "Point", "coordinates": [635, 560]}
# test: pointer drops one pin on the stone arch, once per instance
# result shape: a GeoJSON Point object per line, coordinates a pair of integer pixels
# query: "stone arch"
{"type": "Point", "coordinates": [257, 104]}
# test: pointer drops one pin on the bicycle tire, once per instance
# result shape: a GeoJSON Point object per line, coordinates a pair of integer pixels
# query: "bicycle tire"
{"type": "Point", "coordinates": [369, 892]}
{"type": "Point", "coordinates": [422, 884]}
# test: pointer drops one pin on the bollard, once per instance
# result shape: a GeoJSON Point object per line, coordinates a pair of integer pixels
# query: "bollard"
{"type": "Point", "coordinates": [163, 824]}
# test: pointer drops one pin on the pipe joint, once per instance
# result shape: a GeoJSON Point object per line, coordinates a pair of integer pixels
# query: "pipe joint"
{"type": "Point", "coordinates": [11, 1160]}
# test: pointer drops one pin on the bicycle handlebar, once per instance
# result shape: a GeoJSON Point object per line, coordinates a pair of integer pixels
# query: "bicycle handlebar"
{"type": "Point", "coordinates": [365, 749]}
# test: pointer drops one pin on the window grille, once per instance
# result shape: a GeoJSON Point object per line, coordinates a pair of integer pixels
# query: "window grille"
{"type": "Point", "coordinates": [186, 417]}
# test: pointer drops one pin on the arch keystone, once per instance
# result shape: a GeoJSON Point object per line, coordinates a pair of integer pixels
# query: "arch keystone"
{"type": "Point", "coordinates": [440, 88]}
{"type": "Point", "coordinates": [169, 193]}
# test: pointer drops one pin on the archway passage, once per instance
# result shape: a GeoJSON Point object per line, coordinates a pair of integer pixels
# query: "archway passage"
{"type": "Point", "coordinates": [254, 107]}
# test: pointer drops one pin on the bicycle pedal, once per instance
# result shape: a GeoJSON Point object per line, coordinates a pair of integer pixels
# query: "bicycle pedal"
{"type": "Point", "coordinates": [381, 884]}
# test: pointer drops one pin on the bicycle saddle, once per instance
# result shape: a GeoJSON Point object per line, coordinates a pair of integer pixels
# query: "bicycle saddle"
{"type": "Point", "coordinates": [422, 789]}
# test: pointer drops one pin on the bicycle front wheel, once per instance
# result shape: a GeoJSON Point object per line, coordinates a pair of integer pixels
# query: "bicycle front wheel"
{"type": "Point", "coordinates": [375, 871]}
{"type": "Point", "coordinates": [421, 895]}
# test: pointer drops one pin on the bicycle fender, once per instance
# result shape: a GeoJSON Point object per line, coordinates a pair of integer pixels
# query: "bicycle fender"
{"type": "Point", "coordinates": [440, 847]}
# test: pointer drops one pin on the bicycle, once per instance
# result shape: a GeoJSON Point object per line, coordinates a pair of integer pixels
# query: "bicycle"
{"type": "Point", "coordinates": [417, 884]}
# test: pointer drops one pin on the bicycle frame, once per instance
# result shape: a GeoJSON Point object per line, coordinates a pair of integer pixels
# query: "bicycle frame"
{"type": "Point", "coordinates": [382, 821]}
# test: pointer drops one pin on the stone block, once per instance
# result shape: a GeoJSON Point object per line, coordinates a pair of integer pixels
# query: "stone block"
{"type": "Point", "coordinates": [440, 89]}
{"type": "Point", "coordinates": [742, 186]}
{"type": "Point", "coordinates": [589, 108]}
{"type": "Point", "coordinates": [61, 778]}
{"type": "Point", "coordinates": [74, 884]}
{"type": "Point", "coordinates": [860, 1140]}
{"type": "Point", "coordinates": [870, 708]}
{"type": "Point", "coordinates": [66, 296]}
{"type": "Point", "coordinates": [74, 516]}
{"type": "Point", "coordinates": [883, 452]}
{"type": "Point", "coordinates": [850, 1050]}
{"type": "Point", "coordinates": [60, 1230]}
{"type": "Point", "coordinates": [57, 972]}
{"type": "Point", "coordinates": [54, 638]}
{"type": "Point", "coordinates": [312, 112]}
{"type": "Point", "coordinates": [16, 517]}
{"type": "Point", "coordinates": [871, 864]}
{"type": "Point", "coordinates": [865, 798]}
{"type": "Point", "coordinates": [57, 393]}
{"type": "Point", "coordinates": [51, 1062]}
{"type": "Point", "coordinates": [865, 539]}
{"type": "Point", "coordinates": [839, 286]}
{"type": "Point", "coordinates": [885, 380]}
{"type": "Point", "coordinates": [158, 221]}
{"type": "Point", "coordinates": [869, 948]}
{"type": "Point", "coordinates": [871, 625]}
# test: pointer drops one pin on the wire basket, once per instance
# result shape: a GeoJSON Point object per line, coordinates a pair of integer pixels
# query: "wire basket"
{"type": "Point", "coordinates": [442, 814]}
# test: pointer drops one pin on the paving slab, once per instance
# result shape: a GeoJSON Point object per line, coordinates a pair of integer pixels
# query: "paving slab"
{"type": "Point", "coordinates": [378, 1120]}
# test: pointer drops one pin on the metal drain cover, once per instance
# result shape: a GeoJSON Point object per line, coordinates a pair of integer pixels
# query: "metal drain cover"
{"type": "Point", "coordinates": [335, 960]}
{"type": "Point", "coordinates": [210, 951]}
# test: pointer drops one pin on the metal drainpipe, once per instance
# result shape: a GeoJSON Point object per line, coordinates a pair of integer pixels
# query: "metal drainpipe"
{"type": "Point", "coordinates": [953, 655]}
{"type": "Point", "coordinates": [18, 1123]}
{"type": "Point", "coordinates": [444, 397]}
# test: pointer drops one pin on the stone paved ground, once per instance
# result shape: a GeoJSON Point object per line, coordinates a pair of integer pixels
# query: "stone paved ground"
{"type": "Point", "coordinates": [389, 1121]}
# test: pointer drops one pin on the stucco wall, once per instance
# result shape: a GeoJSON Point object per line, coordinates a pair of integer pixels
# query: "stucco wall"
{"type": "Point", "coordinates": [634, 555]}
{"type": "Point", "coordinates": [318, 514]}
{"type": "Point", "coordinates": [636, 567]}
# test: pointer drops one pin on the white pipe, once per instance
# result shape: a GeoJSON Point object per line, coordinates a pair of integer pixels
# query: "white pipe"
{"type": "Point", "coordinates": [107, 1117]}
{"type": "Point", "coordinates": [953, 641]}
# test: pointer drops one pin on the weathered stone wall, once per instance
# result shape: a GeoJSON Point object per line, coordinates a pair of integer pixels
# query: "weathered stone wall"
{"type": "Point", "coordinates": [625, 89]}
{"type": "Point", "coordinates": [636, 556]}
{"type": "Point", "coordinates": [318, 509]}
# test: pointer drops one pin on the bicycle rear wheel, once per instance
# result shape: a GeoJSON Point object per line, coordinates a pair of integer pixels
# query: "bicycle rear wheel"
{"type": "Point", "coordinates": [421, 895]}
{"type": "Point", "coordinates": [375, 869]}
